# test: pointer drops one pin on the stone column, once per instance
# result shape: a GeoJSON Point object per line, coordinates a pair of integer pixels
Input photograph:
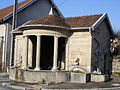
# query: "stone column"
{"type": "Point", "coordinates": [25, 60]}
{"type": "Point", "coordinates": [67, 55]}
{"type": "Point", "coordinates": [30, 52]}
{"type": "Point", "coordinates": [37, 68]}
{"type": "Point", "coordinates": [55, 54]}
{"type": "Point", "coordinates": [15, 55]}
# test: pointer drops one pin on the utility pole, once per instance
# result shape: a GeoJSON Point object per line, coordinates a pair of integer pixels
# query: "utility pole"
{"type": "Point", "coordinates": [14, 25]}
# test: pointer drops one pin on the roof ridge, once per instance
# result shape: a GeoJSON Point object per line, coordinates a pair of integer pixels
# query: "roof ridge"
{"type": "Point", "coordinates": [83, 16]}
{"type": "Point", "coordinates": [50, 19]}
{"type": "Point", "coordinates": [48, 16]}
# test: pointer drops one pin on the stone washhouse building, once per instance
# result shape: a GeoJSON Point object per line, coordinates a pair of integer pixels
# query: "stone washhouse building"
{"type": "Point", "coordinates": [63, 49]}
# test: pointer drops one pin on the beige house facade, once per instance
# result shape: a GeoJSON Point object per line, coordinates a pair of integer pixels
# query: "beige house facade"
{"type": "Point", "coordinates": [65, 46]}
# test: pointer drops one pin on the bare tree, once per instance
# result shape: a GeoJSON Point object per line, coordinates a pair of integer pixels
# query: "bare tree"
{"type": "Point", "coordinates": [115, 45]}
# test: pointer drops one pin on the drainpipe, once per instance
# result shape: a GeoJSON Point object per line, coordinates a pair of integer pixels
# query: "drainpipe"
{"type": "Point", "coordinates": [90, 30]}
{"type": "Point", "coordinates": [90, 69]}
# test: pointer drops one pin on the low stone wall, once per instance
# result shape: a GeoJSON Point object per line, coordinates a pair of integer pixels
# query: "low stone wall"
{"type": "Point", "coordinates": [80, 77]}
{"type": "Point", "coordinates": [39, 76]}
{"type": "Point", "coordinates": [116, 65]}
{"type": "Point", "coordinates": [48, 76]}
{"type": "Point", "coordinates": [99, 78]}
{"type": "Point", "coordinates": [32, 76]}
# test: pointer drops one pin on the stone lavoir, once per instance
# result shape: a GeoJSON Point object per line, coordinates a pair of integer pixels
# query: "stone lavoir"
{"type": "Point", "coordinates": [58, 49]}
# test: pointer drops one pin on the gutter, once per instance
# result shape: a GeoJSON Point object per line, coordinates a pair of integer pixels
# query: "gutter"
{"type": "Point", "coordinates": [53, 26]}
{"type": "Point", "coordinates": [37, 25]}
{"type": "Point", "coordinates": [91, 29]}
{"type": "Point", "coordinates": [1, 21]}
{"type": "Point", "coordinates": [13, 31]}
{"type": "Point", "coordinates": [49, 26]}
{"type": "Point", "coordinates": [80, 28]}
{"type": "Point", "coordinates": [41, 25]}
{"type": "Point", "coordinates": [17, 32]}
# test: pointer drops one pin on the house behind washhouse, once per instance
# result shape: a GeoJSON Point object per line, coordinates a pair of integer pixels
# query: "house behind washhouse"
{"type": "Point", "coordinates": [58, 49]}
{"type": "Point", "coordinates": [27, 10]}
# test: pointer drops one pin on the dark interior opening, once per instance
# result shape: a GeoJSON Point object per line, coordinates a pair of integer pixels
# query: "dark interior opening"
{"type": "Point", "coordinates": [105, 61]}
{"type": "Point", "coordinates": [34, 43]}
{"type": "Point", "coordinates": [47, 48]}
{"type": "Point", "coordinates": [61, 53]}
{"type": "Point", "coordinates": [47, 51]}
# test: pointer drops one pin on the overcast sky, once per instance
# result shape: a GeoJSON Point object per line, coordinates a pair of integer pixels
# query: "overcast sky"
{"type": "Point", "coordinates": [84, 7]}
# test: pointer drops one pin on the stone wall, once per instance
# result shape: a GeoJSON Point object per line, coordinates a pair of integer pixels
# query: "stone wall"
{"type": "Point", "coordinates": [116, 65]}
{"type": "Point", "coordinates": [46, 76]}
{"type": "Point", "coordinates": [101, 59]}
{"type": "Point", "coordinates": [18, 50]}
{"type": "Point", "coordinates": [2, 29]}
{"type": "Point", "coordinates": [32, 76]}
{"type": "Point", "coordinates": [115, 46]}
{"type": "Point", "coordinates": [79, 47]}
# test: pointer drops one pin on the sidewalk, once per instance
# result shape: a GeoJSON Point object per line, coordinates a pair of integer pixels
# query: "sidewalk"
{"type": "Point", "coordinates": [12, 85]}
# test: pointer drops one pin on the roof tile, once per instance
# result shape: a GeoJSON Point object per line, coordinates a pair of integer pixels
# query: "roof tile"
{"type": "Point", "coordinates": [50, 20]}
{"type": "Point", "coordinates": [80, 21]}
{"type": "Point", "coordinates": [6, 11]}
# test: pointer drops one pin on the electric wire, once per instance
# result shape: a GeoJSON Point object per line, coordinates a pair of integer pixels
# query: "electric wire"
{"type": "Point", "coordinates": [61, 3]}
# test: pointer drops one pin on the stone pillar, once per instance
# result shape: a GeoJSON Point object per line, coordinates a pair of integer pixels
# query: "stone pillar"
{"type": "Point", "coordinates": [55, 54]}
{"type": "Point", "coordinates": [37, 68]}
{"type": "Point", "coordinates": [15, 55]}
{"type": "Point", "coordinates": [67, 55]}
{"type": "Point", "coordinates": [30, 52]}
{"type": "Point", "coordinates": [25, 60]}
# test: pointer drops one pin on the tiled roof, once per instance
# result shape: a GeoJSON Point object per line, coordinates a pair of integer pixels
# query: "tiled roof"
{"type": "Point", "coordinates": [80, 21]}
{"type": "Point", "coordinates": [6, 11]}
{"type": "Point", "coordinates": [50, 20]}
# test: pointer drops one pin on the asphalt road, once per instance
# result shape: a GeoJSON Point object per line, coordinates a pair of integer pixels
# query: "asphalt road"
{"type": "Point", "coordinates": [5, 88]}
{"type": "Point", "coordinates": [4, 79]}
